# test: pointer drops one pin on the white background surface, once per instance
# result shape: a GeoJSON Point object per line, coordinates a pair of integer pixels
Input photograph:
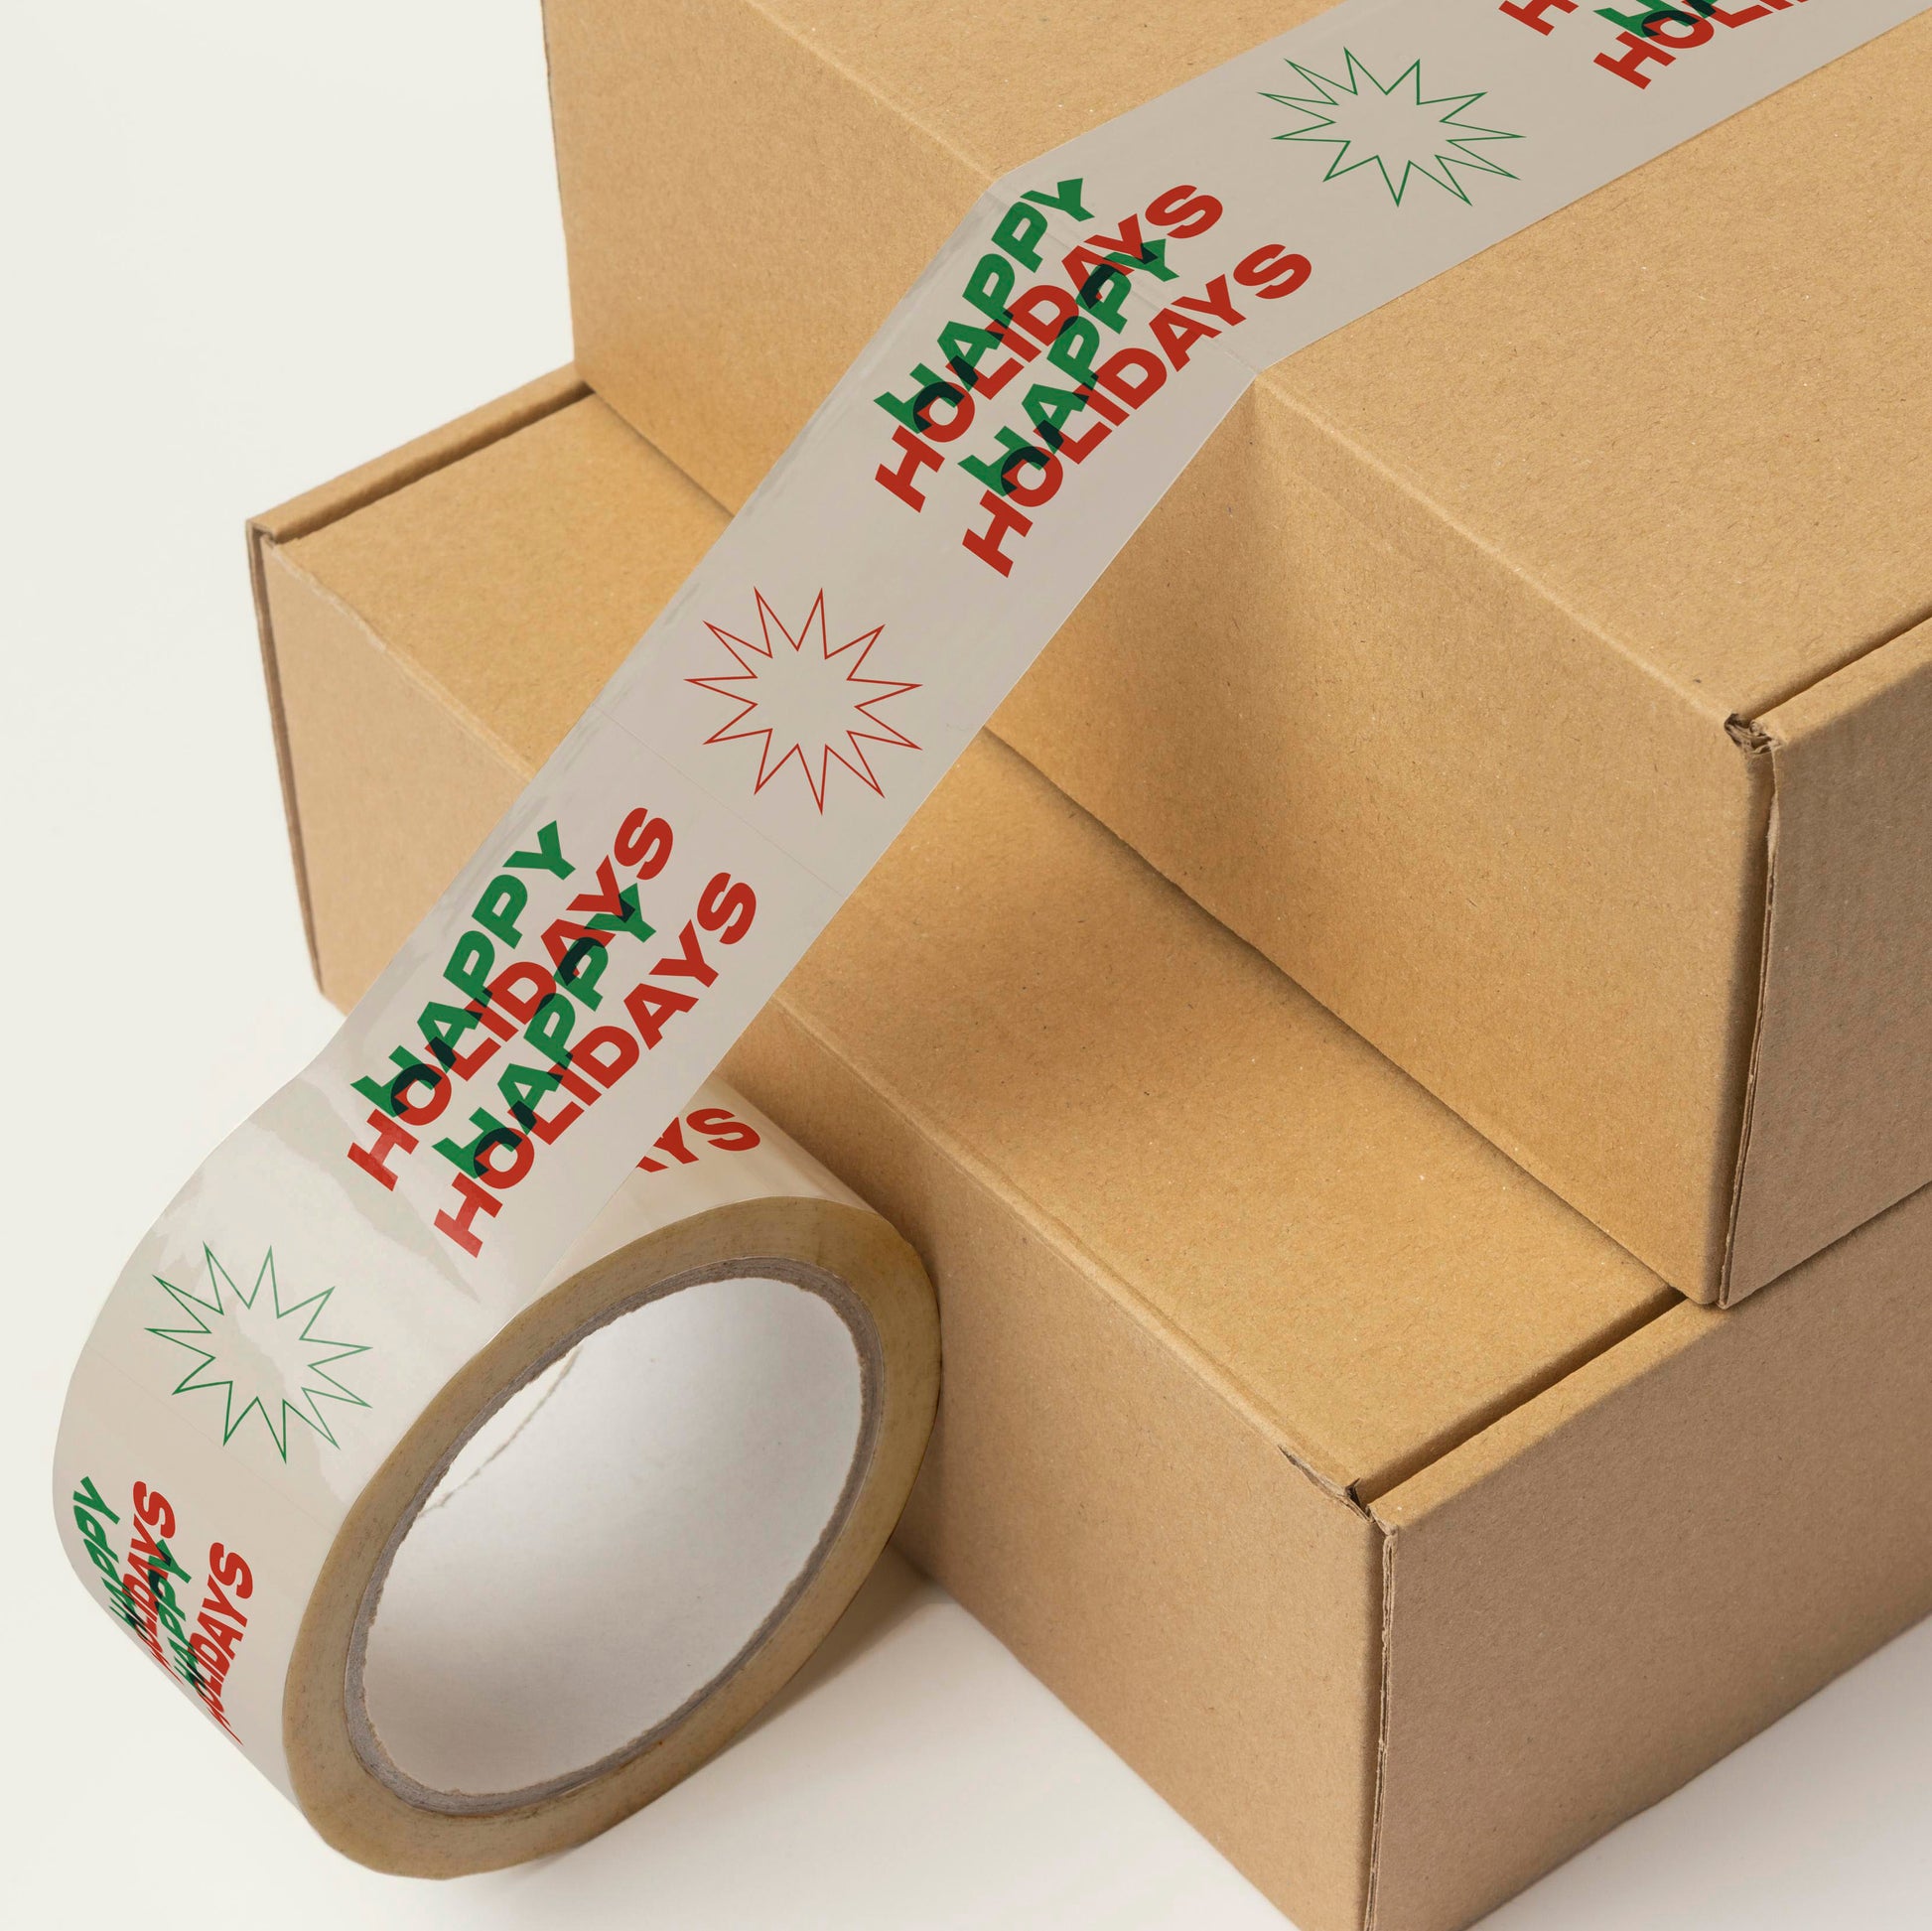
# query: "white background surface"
{"type": "Point", "coordinates": [247, 247]}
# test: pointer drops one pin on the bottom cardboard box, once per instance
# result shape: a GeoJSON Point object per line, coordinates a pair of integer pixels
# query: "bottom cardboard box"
{"type": "Point", "coordinates": [1397, 1525]}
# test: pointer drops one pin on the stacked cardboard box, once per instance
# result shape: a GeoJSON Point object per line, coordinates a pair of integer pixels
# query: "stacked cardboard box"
{"type": "Point", "coordinates": [1401, 1527]}
{"type": "Point", "coordinates": [1537, 669]}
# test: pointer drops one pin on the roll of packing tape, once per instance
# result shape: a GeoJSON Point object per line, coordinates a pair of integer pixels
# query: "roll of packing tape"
{"type": "Point", "coordinates": [608, 1536]}
{"type": "Point", "coordinates": [255, 1472]}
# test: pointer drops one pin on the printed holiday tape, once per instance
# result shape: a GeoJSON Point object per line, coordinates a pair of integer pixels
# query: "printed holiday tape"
{"type": "Point", "coordinates": [269, 1357]}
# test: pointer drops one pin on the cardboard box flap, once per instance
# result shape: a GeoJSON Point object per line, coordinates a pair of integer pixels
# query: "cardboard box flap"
{"type": "Point", "coordinates": [436, 448]}
{"type": "Point", "coordinates": [1840, 1111]}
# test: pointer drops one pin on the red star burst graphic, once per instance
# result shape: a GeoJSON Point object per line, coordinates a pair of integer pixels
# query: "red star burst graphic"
{"type": "Point", "coordinates": [803, 700]}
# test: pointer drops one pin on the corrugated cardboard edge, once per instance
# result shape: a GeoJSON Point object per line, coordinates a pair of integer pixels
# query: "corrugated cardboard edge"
{"type": "Point", "coordinates": [360, 487]}
{"type": "Point", "coordinates": [1847, 860]}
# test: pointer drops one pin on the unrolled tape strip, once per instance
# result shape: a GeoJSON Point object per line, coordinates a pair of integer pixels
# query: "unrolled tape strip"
{"type": "Point", "coordinates": [476, 1530]}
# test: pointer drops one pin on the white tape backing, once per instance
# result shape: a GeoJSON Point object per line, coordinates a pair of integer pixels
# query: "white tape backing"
{"type": "Point", "coordinates": [347, 1449]}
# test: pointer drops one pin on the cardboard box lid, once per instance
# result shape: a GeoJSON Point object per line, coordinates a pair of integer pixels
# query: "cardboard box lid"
{"type": "Point", "coordinates": [1336, 1250]}
{"type": "Point", "coordinates": [1657, 455]}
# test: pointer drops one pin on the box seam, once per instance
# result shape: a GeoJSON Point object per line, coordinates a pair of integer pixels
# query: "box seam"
{"type": "Point", "coordinates": [1372, 1890]}
{"type": "Point", "coordinates": [1784, 696]}
{"type": "Point", "coordinates": [1758, 746]}
{"type": "Point", "coordinates": [1368, 1490]}
{"type": "Point", "coordinates": [414, 461]}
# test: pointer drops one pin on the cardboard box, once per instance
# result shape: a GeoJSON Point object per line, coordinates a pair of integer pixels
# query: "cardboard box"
{"type": "Point", "coordinates": [1396, 1524]}
{"type": "Point", "coordinates": [1536, 670]}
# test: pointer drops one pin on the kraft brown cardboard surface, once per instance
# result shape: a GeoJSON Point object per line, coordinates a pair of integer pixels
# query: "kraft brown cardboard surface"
{"type": "Point", "coordinates": [1395, 1523]}
{"type": "Point", "coordinates": [1851, 884]}
{"type": "Point", "coordinates": [323, 505]}
{"type": "Point", "coordinates": [1729, 1595]}
{"type": "Point", "coordinates": [1444, 675]}
{"type": "Point", "coordinates": [1097, 1493]}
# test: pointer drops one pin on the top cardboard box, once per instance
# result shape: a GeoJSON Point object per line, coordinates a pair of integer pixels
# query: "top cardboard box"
{"type": "Point", "coordinates": [1536, 669]}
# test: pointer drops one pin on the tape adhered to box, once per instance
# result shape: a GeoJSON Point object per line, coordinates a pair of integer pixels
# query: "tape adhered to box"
{"type": "Point", "coordinates": [335, 1400]}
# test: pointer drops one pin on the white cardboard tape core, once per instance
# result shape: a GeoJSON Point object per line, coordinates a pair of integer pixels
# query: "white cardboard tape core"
{"type": "Point", "coordinates": [398, 1235]}
{"type": "Point", "coordinates": [612, 1538]}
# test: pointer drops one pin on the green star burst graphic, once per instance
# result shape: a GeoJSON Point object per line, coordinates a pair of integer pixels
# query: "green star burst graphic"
{"type": "Point", "coordinates": [265, 1357]}
{"type": "Point", "coordinates": [1392, 128]}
